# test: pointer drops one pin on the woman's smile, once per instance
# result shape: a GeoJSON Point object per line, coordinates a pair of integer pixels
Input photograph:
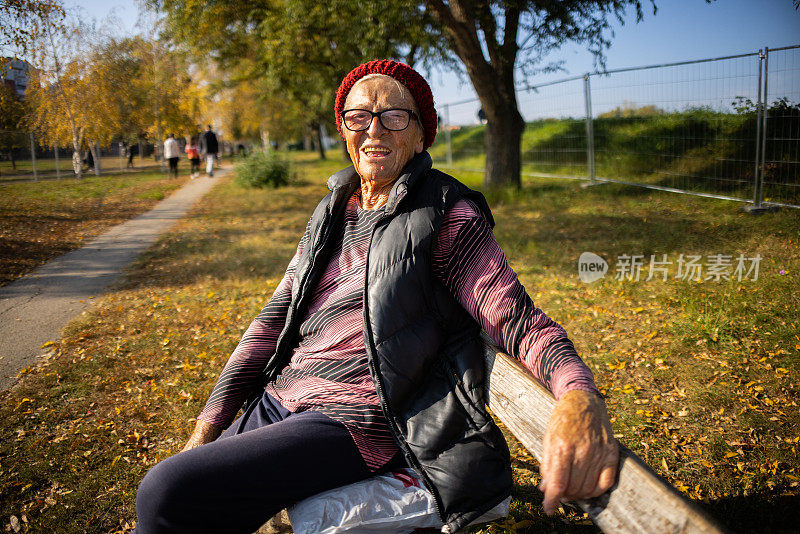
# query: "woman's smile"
{"type": "Point", "coordinates": [376, 152]}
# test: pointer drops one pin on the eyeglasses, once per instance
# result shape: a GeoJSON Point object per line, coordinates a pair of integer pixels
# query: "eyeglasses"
{"type": "Point", "coordinates": [394, 120]}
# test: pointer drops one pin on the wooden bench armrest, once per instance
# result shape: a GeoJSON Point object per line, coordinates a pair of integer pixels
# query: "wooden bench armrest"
{"type": "Point", "coordinates": [640, 501]}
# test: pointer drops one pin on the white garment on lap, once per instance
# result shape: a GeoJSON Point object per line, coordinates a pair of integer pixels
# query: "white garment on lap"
{"type": "Point", "coordinates": [391, 503]}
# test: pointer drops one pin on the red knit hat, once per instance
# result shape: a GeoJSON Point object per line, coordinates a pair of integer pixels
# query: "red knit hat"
{"type": "Point", "coordinates": [404, 74]}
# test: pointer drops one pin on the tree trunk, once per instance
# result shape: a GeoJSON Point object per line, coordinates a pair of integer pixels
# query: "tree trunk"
{"type": "Point", "coordinates": [411, 57]}
{"type": "Point", "coordinates": [492, 78]}
{"type": "Point", "coordinates": [504, 126]}
{"type": "Point", "coordinates": [96, 155]}
{"type": "Point", "coordinates": [77, 133]}
{"type": "Point", "coordinates": [265, 139]}
{"type": "Point", "coordinates": [320, 146]}
{"type": "Point", "coordinates": [77, 163]}
{"type": "Point", "coordinates": [504, 129]}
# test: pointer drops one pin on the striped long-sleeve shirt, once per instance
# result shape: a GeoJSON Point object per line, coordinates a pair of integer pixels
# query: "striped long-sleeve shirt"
{"type": "Point", "coordinates": [329, 371]}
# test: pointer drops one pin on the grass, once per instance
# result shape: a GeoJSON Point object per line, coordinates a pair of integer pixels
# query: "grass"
{"type": "Point", "coordinates": [40, 220]}
{"type": "Point", "coordinates": [702, 378]}
{"type": "Point", "coordinates": [23, 169]}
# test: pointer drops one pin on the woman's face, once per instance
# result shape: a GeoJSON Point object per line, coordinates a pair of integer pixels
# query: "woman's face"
{"type": "Point", "coordinates": [377, 153]}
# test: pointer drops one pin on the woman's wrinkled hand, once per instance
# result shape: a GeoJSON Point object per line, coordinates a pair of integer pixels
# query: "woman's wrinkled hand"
{"type": "Point", "coordinates": [203, 433]}
{"type": "Point", "coordinates": [581, 456]}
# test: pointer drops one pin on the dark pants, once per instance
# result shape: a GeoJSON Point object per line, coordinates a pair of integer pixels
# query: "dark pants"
{"type": "Point", "coordinates": [265, 461]}
{"type": "Point", "coordinates": [173, 166]}
{"type": "Point", "coordinates": [195, 165]}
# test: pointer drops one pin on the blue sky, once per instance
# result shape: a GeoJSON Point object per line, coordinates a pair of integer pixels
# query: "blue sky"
{"type": "Point", "coordinates": [681, 30]}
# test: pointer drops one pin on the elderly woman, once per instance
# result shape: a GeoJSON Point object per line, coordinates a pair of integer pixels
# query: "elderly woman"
{"type": "Point", "coordinates": [367, 357]}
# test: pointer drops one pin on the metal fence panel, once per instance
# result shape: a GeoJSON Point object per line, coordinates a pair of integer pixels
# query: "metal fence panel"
{"type": "Point", "coordinates": [555, 138]}
{"type": "Point", "coordinates": [15, 154]}
{"type": "Point", "coordinates": [678, 126]}
{"type": "Point", "coordinates": [461, 141]}
{"type": "Point", "coordinates": [695, 126]}
{"type": "Point", "coordinates": [781, 166]}
{"type": "Point", "coordinates": [19, 161]}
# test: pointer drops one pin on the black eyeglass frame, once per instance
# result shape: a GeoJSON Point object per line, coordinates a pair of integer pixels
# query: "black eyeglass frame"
{"type": "Point", "coordinates": [411, 115]}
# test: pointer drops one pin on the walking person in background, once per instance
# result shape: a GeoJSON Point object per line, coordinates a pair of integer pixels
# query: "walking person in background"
{"type": "Point", "coordinates": [133, 150]}
{"type": "Point", "coordinates": [89, 159]}
{"type": "Point", "coordinates": [172, 154]}
{"type": "Point", "coordinates": [193, 152]}
{"type": "Point", "coordinates": [209, 147]}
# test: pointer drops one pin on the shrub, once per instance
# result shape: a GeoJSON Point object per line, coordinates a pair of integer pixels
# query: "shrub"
{"type": "Point", "coordinates": [264, 169]}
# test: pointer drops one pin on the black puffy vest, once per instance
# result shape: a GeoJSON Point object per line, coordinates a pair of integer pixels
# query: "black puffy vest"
{"type": "Point", "coordinates": [424, 352]}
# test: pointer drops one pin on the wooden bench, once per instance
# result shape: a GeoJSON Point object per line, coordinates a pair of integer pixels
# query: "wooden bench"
{"type": "Point", "coordinates": [641, 501]}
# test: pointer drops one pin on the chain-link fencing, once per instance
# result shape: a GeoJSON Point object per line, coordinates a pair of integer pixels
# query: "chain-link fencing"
{"type": "Point", "coordinates": [724, 127]}
{"type": "Point", "coordinates": [23, 158]}
{"type": "Point", "coordinates": [780, 164]}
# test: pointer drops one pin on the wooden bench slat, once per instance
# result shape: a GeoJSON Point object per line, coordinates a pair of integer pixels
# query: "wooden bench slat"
{"type": "Point", "coordinates": [641, 501]}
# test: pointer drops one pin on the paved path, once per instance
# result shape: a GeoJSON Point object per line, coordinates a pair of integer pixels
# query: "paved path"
{"type": "Point", "coordinates": [35, 308]}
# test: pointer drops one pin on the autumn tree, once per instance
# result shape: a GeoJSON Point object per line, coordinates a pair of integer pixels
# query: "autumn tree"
{"type": "Point", "coordinates": [300, 50]}
{"type": "Point", "coordinates": [23, 23]}
{"type": "Point", "coordinates": [76, 89]}
{"type": "Point", "coordinates": [92, 88]}
{"type": "Point", "coordinates": [57, 86]}
{"type": "Point", "coordinates": [111, 97]}
{"type": "Point", "coordinates": [305, 47]}
{"type": "Point", "coordinates": [25, 26]}
{"type": "Point", "coordinates": [247, 109]}
{"type": "Point", "coordinates": [115, 71]}
{"type": "Point", "coordinates": [12, 116]}
{"type": "Point", "coordinates": [503, 44]}
{"type": "Point", "coordinates": [170, 99]}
